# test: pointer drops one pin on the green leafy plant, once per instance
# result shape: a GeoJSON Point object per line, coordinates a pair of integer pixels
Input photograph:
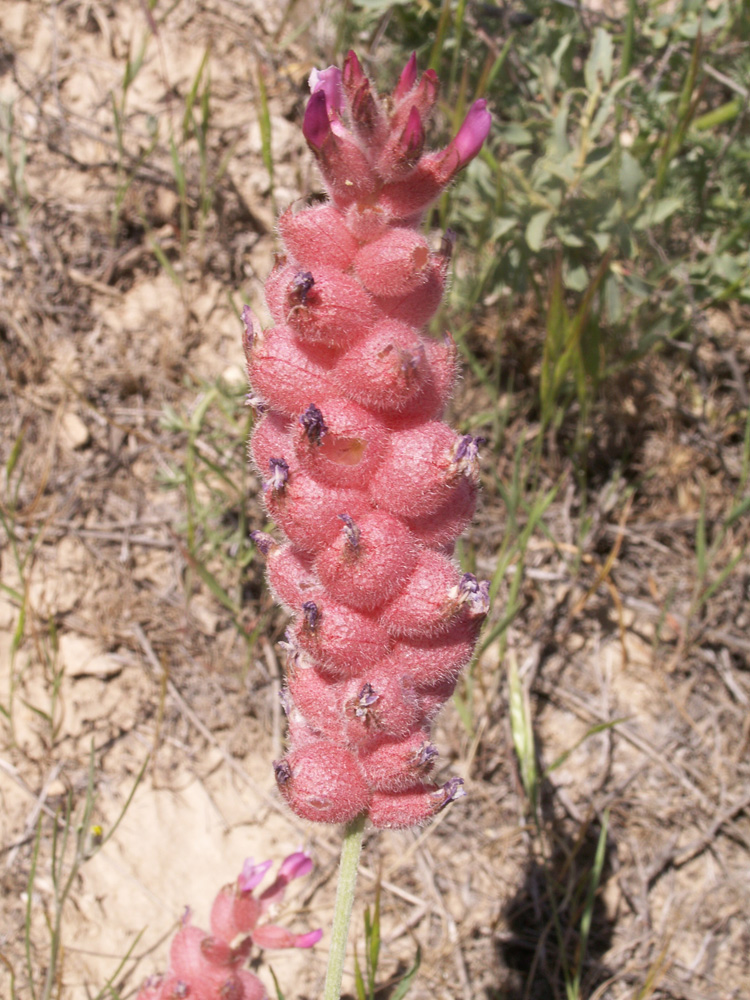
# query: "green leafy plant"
{"type": "Point", "coordinates": [617, 139]}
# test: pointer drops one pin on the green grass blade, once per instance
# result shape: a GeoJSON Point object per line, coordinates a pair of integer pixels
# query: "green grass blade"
{"type": "Point", "coordinates": [405, 984]}
{"type": "Point", "coordinates": [279, 994]}
{"type": "Point", "coordinates": [592, 731]}
{"type": "Point", "coordinates": [522, 732]}
{"type": "Point", "coordinates": [588, 912]}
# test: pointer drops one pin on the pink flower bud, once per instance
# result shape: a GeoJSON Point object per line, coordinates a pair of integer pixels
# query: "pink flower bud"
{"type": "Point", "coordinates": [441, 528]}
{"type": "Point", "coordinates": [342, 641]}
{"type": "Point", "coordinates": [402, 151]}
{"type": "Point", "coordinates": [424, 99]}
{"type": "Point", "coordinates": [395, 264]}
{"type": "Point", "coordinates": [436, 659]}
{"type": "Point", "coordinates": [323, 783]}
{"type": "Point", "coordinates": [475, 129]}
{"type": "Point", "coordinates": [368, 562]}
{"type": "Point", "coordinates": [396, 765]}
{"type": "Point", "coordinates": [418, 306]}
{"type": "Point", "coordinates": [190, 964]}
{"type": "Point", "coordinates": [323, 306]}
{"type": "Point", "coordinates": [234, 915]}
{"type": "Point", "coordinates": [413, 807]}
{"type": "Point", "coordinates": [386, 369]}
{"type": "Point", "coordinates": [339, 443]}
{"type": "Point", "coordinates": [315, 234]}
{"type": "Point", "coordinates": [291, 575]}
{"type": "Point", "coordinates": [407, 79]}
{"type": "Point", "coordinates": [418, 474]}
{"type": "Point", "coordinates": [426, 605]}
{"type": "Point", "coordinates": [319, 698]}
{"type": "Point", "coordinates": [270, 438]}
{"type": "Point", "coordinates": [380, 702]}
{"type": "Point", "coordinates": [306, 510]}
{"type": "Point", "coordinates": [316, 126]}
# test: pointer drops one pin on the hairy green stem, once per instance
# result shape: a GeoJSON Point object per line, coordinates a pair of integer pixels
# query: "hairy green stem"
{"type": "Point", "coordinates": [350, 849]}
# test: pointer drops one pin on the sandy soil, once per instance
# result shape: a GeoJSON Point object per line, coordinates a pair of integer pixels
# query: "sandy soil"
{"type": "Point", "coordinates": [112, 643]}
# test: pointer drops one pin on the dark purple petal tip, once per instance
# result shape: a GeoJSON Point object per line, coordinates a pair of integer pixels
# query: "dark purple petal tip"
{"type": "Point", "coordinates": [426, 756]}
{"type": "Point", "coordinates": [367, 698]}
{"type": "Point", "coordinates": [262, 541]}
{"type": "Point", "coordinates": [314, 424]}
{"type": "Point", "coordinates": [351, 531]}
{"type": "Point", "coordinates": [316, 126]}
{"type": "Point", "coordinates": [311, 614]}
{"type": "Point", "coordinates": [282, 771]}
{"type": "Point", "coordinates": [279, 475]}
{"type": "Point", "coordinates": [453, 789]}
{"type": "Point", "coordinates": [302, 284]}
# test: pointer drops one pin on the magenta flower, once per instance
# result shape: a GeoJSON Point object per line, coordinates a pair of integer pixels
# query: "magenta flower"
{"type": "Point", "coordinates": [367, 482]}
{"type": "Point", "coordinates": [475, 129]}
{"type": "Point", "coordinates": [206, 966]}
{"type": "Point", "coordinates": [329, 81]}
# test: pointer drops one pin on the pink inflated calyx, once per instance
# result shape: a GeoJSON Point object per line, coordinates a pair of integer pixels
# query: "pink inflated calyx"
{"type": "Point", "coordinates": [360, 472]}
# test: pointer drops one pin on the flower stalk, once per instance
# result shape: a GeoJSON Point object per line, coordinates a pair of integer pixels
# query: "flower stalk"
{"type": "Point", "coordinates": [347, 883]}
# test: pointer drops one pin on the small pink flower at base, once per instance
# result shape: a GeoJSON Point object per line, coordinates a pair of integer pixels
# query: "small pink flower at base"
{"type": "Point", "coordinates": [207, 966]}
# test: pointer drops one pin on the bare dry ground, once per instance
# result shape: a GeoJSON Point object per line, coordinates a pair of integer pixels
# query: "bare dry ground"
{"type": "Point", "coordinates": [123, 647]}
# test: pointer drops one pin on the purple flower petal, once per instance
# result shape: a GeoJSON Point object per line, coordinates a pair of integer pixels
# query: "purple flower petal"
{"type": "Point", "coordinates": [252, 875]}
{"type": "Point", "coordinates": [296, 865]}
{"type": "Point", "coordinates": [473, 132]}
{"type": "Point", "coordinates": [309, 939]}
{"type": "Point", "coordinates": [329, 81]}
{"type": "Point", "coordinates": [316, 126]}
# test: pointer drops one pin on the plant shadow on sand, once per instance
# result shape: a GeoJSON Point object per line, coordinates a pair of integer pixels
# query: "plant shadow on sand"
{"type": "Point", "coordinates": [556, 931]}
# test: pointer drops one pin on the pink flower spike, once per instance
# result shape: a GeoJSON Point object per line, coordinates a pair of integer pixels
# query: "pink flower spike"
{"type": "Point", "coordinates": [316, 126]}
{"type": "Point", "coordinates": [473, 132]}
{"type": "Point", "coordinates": [407, 79]}
{"type": "Point", "coordinates": [252, 875]}
{"type": "Point", "coordinates": [329, 81]}
{"type": "Point", "coordinates": [309, 939]}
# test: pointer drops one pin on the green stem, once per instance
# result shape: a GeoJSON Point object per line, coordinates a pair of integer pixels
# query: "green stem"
{"type": "Point", "coordinates": [350, 849]}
